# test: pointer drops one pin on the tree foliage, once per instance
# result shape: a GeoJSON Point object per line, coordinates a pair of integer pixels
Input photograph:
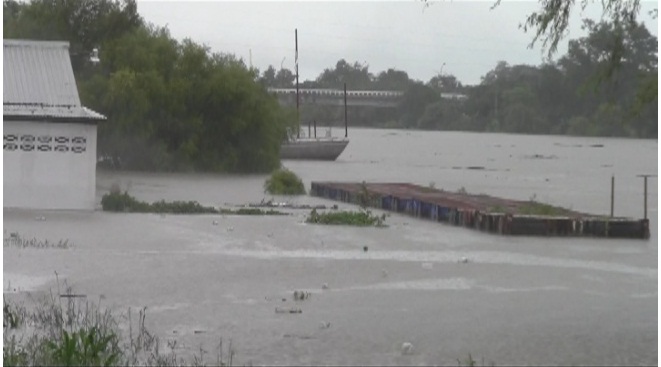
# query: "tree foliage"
{"type": "Point", "coordinates": [170, 105]}
{"type": "Point", "coordinates": [579, 94]}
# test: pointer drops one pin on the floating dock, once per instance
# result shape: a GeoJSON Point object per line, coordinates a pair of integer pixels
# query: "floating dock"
{"type": "Point", "coordinates": [481, 212]}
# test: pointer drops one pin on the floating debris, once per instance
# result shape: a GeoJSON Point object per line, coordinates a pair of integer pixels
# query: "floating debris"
{"type": "Point", "coordinates": [288, 310]}
{"type": "Point", "coordinates": [365, 248]}
{"type": "Point", "coordinates": [407, 348]}
{"type": "Point", "coordinates": [540, 156]}
{"type": "Point", "coordinates": [272, 204]}
{"type": "Point", "coordinates": [324, 286]}
{"type": "Point", "coordinates": [463, 260]}
{"type": "Point", "coordinates": [324, 325]}
{"type": "Point", "coordinates": [301, 295]}
{"type": "Point", "coordinates": [72, 295]}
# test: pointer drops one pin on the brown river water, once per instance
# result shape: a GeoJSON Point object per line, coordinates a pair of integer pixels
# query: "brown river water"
{"type": "Point", "coordinates": [518, 300]}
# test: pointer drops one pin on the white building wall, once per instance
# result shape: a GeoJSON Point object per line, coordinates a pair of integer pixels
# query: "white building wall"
{"type": "Point", "coordinates": [49, 165]}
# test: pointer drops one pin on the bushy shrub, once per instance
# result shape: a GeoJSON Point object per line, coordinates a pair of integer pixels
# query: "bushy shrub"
{"type": "Point", "coordinates": [118, 202]}
{"type": "Point", "coordinates": [284, 182]}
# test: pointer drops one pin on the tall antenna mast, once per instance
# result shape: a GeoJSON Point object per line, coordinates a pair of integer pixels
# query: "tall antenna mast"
{"type": "Point", "coordinates": [298, 118]}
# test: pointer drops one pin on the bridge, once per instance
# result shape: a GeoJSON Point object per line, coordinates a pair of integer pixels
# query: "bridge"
{"type": "Point", "coordinates": [335, 97]}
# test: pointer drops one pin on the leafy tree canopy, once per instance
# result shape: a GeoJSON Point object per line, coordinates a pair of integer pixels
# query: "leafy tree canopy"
{"type": "Point", "coordinates": [170, 105]}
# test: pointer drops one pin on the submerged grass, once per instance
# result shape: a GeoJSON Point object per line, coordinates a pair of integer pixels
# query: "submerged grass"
{"type": "Point", "coordinates": [68, 330]}
{"type": "Point", "coordinates": [123, 202]}
{"type": "Point", "coordinates": [362, 218]}
{"type": "Point", "coordinates": [536, 208]}
{"type": "Point", "coordinates": [16, 240]}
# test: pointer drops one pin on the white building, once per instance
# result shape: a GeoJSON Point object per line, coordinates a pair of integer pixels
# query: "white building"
{"type": "Point", "coordinates": [49, 142]}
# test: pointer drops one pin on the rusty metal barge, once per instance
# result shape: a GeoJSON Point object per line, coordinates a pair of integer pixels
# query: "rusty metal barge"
{"type": "Point", "coordinates": [481, 212]}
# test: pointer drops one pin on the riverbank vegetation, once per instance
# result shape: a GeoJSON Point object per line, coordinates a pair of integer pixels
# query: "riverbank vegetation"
{"type": "Point", "coordinates": [66, 329]}
{"type": "Point", "coordinates": [284, 182]}
{"type": "Point", "coordinates": [582, 92]}
{"type": "Point", "coordinates": [116, 201]}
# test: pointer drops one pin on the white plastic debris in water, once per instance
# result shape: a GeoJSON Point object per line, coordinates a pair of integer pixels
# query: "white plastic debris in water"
{"type": "Point", "coordinates": [463, 260]}
{"type": "Point", "coordinates": [324, 325]}
{"type": "Point", "coordinates": [407, 348]}
{"type": "Point", "coordinates": [215, 222]}
{"type": "Point", "coordinates": [324, 286]}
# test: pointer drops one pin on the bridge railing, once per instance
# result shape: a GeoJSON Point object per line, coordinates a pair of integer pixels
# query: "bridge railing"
{"type": "Point", "coordinates": [339, 92]}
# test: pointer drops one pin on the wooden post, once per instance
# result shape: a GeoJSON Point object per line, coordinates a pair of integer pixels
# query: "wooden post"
{"type": "Point", "coordinates": [346, 124]}
{"type": "Point", "coordinates": [645, 193]}
{"type": "Point", "coordinates": [315, 129]}
{"type": "Point", "coordinates": [612, 195]}
{"type": "Point", "coordinates": [645, 198]}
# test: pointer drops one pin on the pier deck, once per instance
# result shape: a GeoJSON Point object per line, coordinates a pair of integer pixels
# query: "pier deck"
{"type": "Point", "coordinates": [482, 212]}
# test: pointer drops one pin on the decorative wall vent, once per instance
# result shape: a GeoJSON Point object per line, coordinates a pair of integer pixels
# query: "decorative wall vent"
{"type": "Point", "coordinates": [44, 143]}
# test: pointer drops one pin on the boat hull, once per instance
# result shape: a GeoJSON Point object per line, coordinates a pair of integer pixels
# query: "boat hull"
{"type": "Point", "coordinates": [321, 150]}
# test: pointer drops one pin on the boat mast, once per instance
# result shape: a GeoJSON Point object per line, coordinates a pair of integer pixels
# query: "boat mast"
{"type": "Point", "coordinates": [346, 124]}
{"type": "Point", "coordinates": [298, 118]}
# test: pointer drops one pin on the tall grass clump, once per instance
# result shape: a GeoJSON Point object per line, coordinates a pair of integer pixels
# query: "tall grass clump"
{"type": "Point", "coordinates": [284, 182]}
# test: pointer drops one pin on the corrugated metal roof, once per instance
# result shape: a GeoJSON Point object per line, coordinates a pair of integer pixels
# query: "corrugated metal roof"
{"type": "Point", "coordinates": [55, 112]}
{"type": "Point", "coordinates": [39, 81]}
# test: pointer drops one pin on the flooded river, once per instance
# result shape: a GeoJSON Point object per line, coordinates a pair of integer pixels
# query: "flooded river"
{"type": "Point", "coordinates": [518, 300]}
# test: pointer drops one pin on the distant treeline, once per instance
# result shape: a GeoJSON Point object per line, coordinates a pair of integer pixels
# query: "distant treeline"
{"type": "Point", "coordinates": [174, 105]}
{"type": "Point", "coordinates": [585, 92]}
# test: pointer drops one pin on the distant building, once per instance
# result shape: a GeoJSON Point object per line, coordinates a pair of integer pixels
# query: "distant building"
{"type": "Point", "coordinates": [49, 142]}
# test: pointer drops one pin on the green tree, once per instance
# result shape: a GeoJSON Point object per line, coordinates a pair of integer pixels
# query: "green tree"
{"type": "Point", "coordinates": [391, 79]}
{"type": "Point", "coordinates": [413, 104]}
{"type": "Point", "coordinates": [170, 105]}
{"type": "Point", "coordinates": [356, 76]}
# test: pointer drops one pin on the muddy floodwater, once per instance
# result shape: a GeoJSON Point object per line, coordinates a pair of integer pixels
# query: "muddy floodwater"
{"type": "Point", "coordinates": [517, 300]}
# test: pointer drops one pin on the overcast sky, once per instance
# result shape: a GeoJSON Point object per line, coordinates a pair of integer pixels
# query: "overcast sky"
{"type": "Point", "coordinates": [467, 36]}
